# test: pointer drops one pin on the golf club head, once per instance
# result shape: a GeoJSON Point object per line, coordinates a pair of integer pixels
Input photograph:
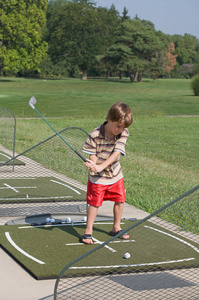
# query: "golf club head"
{"type": "Point", "coordinates": [32, 101]}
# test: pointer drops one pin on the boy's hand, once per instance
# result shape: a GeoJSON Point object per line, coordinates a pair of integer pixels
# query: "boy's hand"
{"type": "Point", "coordinates": [92, 166]}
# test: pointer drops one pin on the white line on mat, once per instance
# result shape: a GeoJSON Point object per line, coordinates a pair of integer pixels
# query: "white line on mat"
{"type": "Point", "coordinates": [175, 237]}
{"type": "Point", "coordinates": [21, 250]}
{"type": "Point", "coordinates": [134, 265]}
{"type": "Point", "coordinates": [66, 186]}
{"type": "Point", "coordinates": [111, 249]}
{"type": "Point", "coordinates": [113, 242]}
{"type": "Point", "coordinates": [10, 187]}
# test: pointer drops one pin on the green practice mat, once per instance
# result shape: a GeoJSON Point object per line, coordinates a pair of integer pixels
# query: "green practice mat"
{"type": "Point", "coordinates": [37, 189]}
{"type": "Point", "coordinates": [5, 157]}
{"type": "Point", "coordinates": [45, 250]}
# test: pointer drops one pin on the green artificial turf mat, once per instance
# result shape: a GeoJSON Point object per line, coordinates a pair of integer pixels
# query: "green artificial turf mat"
{"type": "Point", "coordinates": [5, 157]}
{"type": "Point", "coordinates": [35, 189]}
{"type": "Point", "coordinates": [56, 246]}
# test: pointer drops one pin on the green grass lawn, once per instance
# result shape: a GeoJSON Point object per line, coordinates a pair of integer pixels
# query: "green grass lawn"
{"type": "Point", "coordinates": [76, 98]}
{"type": "Point", "coordinates": [162, 152]}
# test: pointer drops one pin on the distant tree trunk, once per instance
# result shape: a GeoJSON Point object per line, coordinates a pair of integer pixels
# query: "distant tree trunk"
{"type": "Point", "coordinates": [1, 68]}
{"type": "Point", "coordinates": [84, 77]}
{"type": "Point", "coordinates": [120, 75]}
{"type": "Point", "coordinates": [134, 76]}
{"type": "Point", "coordinates": [108, 75]}
{"type": "Point", "coordinates": [140, 77]}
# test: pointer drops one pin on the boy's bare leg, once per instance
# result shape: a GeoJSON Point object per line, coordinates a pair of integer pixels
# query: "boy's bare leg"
{"type": "Point", "coordinates": [91, 215]}
{"type": "Point", "coordinates": [117, 212]}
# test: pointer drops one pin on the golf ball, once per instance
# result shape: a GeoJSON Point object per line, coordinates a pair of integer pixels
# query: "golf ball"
{"type": "Point", "coordinates": [68, 220]}
{"type": "Point", "coordinates": [47, 220]}
{"type": "Point", "coordinates": [85, 218]}
{"type": "Point", "coordinates": [127, 255]}
{"type": "Point", "coordinates": [52, 220]}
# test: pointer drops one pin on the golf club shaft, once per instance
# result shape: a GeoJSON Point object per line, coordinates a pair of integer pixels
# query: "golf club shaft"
{"type": "Point", "coordinates": [78, 222]}
{"type": "Point", "coordinates": [68, 223]}
{"type": "Point", "coordinates": [59, 134]}
{"type": "Point", "coordinates": [129, 219]}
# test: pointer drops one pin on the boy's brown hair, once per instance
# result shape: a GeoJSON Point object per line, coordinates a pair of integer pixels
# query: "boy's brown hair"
{"type": "Point", "coordinates": [120, 112]}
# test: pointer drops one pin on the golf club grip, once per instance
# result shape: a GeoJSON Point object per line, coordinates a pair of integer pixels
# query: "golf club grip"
{"type": "Point", "coordinates": [83, 158]}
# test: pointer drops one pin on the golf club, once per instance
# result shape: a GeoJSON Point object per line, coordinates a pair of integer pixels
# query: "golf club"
{"type": "Point", "coordinates": [78, 222]}
{"type": "Point", "coordinates": [32, 102]}
{"type": "Point", "coordinates": [68, 223]}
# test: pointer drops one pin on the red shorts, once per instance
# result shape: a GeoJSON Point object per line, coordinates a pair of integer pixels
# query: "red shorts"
{"type": "Point", "coordinates": [97, 193]}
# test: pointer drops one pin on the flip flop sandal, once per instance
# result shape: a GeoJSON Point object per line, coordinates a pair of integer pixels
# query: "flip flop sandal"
{"type": "Point", "coordinates": [86, 237]}
{"type": "Point", "coordinates": [112, 233]}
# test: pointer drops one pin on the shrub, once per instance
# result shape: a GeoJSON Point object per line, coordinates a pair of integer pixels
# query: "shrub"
{"type": "Point", "coordinates": [195, 85]}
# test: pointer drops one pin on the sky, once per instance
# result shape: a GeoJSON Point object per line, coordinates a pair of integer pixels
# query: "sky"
{"type": "Point", "coordinates": [169, 16]}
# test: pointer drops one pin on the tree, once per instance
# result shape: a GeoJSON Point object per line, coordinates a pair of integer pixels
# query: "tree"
{"type": "Point", "coordinates": [109, 21]}
{"type": "Point", "coordinates": [125, 15]}
{"type": "Point", "coordinates": [195, 85]}
{"type": "Point", "coordinates": [21, 47]}
{"type": "Point", "coordinates": [118, 58]}
{"type": "Point", "coordinates": [186, 47]}
{"type": "Point", "coordinates": [171, 59]}
{"type": "Point", "coordinates": [78, 32]}
{"type": "Point", "coordinates": [137, 47]}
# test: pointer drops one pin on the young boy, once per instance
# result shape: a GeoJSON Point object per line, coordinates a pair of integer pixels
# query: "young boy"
{"type": "Point", "coordinates": [105, 144]}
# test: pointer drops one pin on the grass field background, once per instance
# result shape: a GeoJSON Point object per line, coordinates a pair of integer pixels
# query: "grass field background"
{"type": "Point", "coordinates": [162, 151]}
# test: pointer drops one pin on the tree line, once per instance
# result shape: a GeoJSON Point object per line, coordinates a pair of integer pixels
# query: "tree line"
{"type": "Point", "coordinates": [74, 38]}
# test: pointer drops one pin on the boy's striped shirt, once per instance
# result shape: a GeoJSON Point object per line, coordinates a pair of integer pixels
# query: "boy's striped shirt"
{"type": "Point", "coordinates": [100, 146]}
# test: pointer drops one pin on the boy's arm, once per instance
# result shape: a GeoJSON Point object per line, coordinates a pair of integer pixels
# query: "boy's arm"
{"type": "Point", "coordinates": [91, 164]}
